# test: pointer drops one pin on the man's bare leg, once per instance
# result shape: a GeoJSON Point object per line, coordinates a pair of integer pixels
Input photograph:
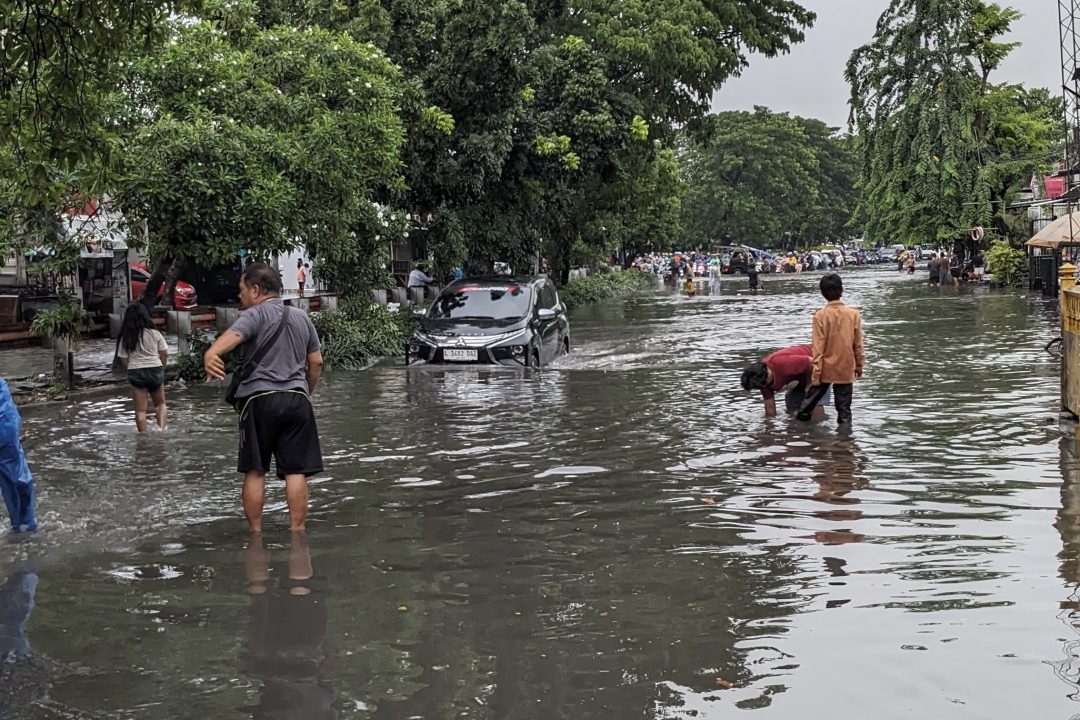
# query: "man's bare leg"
{"type": "Point", "coordinates": [253, 494]}
{"type": "Point", "coordinates": [296, 493]}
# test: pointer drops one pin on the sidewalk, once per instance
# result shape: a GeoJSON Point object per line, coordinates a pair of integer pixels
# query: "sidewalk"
{"type": "Point", "coordinates": [93, 361]}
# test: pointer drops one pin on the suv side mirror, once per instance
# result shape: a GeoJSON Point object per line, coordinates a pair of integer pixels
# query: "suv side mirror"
{"type": "Point", "coordinates": [545, 314]}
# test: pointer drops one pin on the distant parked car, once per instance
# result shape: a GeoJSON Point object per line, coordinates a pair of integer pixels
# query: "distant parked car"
{"type": "Point", "coordinates": [492, 320]}
{"type": "Point", "coordinates": [183, 293]}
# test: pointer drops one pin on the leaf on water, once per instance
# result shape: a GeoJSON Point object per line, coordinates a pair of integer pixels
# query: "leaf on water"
{"type": "Point", "coordinates": [708, 501]}
{"type": "Point", "coordinates": [725, 684]}
{"type": "Point", "coordinates": [403, 608]}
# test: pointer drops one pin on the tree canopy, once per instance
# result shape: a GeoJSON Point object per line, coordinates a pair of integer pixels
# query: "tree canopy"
{"type": "Point", "coordinates": [767, 179]}
{"type": "Point", "coordinates": [941, 145]}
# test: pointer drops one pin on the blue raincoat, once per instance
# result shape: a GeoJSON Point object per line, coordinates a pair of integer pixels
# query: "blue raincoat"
{"type": "Point", "coordinates": [16, 482]}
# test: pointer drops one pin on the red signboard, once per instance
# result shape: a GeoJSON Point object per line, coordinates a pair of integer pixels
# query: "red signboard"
{"type": "Point", "coordinates": [1055, 187]}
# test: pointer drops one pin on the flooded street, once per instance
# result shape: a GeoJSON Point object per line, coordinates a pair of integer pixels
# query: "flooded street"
{"type": "Point", "coordinates": [623, 535]}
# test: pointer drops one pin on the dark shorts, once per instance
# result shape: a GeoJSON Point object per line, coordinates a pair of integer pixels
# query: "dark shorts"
{"type": "Point", "coordinates": [147, 378]}
{"type": "Point", "coordinates": [279, 425]}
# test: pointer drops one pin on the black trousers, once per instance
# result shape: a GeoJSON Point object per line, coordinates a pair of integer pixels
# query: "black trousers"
{"type": "Point", "coordinates": [841, 399]}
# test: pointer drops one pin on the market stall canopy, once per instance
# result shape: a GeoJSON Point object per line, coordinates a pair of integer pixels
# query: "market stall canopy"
{"type": "Point", "coordinates": [1062, 232]}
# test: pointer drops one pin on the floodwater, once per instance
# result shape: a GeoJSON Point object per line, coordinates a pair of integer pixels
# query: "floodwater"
{"type": "Point", "coordinates": [620, 536]}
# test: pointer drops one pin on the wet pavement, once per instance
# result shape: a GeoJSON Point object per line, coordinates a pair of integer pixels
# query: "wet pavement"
{"type": "Point", "coordinates": [620, 536]}
{"type": "Point", "coordinates": [93, 361]}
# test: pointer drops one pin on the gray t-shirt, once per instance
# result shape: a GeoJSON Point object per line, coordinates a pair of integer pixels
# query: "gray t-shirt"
{"type": "Point", "coordinates": [284, 367]}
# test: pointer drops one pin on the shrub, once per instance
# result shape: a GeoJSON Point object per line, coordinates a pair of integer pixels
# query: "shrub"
{"type": "Point", "coordinates": [361, 331]}
{"type": "Point", "coordinates": [595, 288]}
{"type": "Point", "coordinates": [1006, 264]}
{"type": "Point", "coordinates": [189, 366]}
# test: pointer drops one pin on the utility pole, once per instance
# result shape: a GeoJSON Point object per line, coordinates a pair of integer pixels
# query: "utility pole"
{"type": "Point", "coordinates": [1069, 32]}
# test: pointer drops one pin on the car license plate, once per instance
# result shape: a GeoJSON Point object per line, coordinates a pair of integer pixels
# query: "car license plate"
{"type": "Point", "coordinates": [459, 355]}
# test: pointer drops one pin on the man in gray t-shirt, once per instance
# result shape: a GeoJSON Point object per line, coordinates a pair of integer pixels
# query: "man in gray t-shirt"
{"type": "Point", "coordinates": [276, 417]}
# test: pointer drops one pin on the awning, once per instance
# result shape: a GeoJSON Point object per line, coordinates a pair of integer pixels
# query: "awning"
{"type": "Point", "coordinates": [1064, 231]}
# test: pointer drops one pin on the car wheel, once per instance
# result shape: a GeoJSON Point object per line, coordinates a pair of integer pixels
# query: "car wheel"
{"type": "Point", "coordinates": [534, 359]}
{"type": "Point", "coordinates": [566, 346]}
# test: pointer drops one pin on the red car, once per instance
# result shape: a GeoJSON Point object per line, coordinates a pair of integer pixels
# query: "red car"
{"type": "Point", "coordinates": [184, 293]}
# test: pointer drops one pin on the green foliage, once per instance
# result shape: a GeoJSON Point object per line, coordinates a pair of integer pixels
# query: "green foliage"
{"type": "Point", "coordinates": [942, 148]}
{"type": "Point", "coordinates": [362, 331]}
{"type": "Point", "coordinates": [748, 179]}
{"type": "Point", "coordinates": [67, 321]}
{"type": "Point", "coordinates": [189, 365]}
{"type": "Point", "coordinates": [604, 286]}
{"type": "Point", "coordinates": [554, 106]}
{"type": "Point", "coordinates": [262, 141]}
{"type": "Point", "coordinates": [1006, 263]}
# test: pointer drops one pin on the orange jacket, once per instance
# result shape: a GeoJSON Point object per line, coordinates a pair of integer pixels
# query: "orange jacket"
{"type": "Point", "coordinates": [838, 345]}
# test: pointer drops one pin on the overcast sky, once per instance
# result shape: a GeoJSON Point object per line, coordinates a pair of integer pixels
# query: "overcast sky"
{"type": "Point", "coordinates": [810, 81]}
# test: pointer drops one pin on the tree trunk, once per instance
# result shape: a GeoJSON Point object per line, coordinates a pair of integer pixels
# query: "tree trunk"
{"type": "Point", "coordinates": [171, 277]}
{"type": "Point", "coordinates": [165, 274]}
{"type": "Point", "coordinates": [157, 279]}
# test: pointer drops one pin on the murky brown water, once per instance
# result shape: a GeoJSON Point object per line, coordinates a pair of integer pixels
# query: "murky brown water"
{"type": "Point", "coordinates": [605, 539]}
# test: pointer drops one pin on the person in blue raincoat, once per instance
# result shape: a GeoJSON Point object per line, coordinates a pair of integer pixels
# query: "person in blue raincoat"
{"type": "Point", "coordinates": [16, 482]}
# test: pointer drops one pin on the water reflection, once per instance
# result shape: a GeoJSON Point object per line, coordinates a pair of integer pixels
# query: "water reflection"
{"type": "Point", "coordinates": [286, 646]}
{"type": "Point", "coordinates": [606, 538]}
{"type": "Point", "coordinates": [24, 678]}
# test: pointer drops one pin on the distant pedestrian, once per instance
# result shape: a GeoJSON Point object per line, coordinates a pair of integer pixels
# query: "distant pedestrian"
{"type": "Point", "coordinates": [16, 482]}
{"type": "Point", "coordinates": [838, 357]}
{"type": "Point", "coordinates": [933, 267]}
{"type": "Point", "coordinates": [144, 353]}
{"type": "Point", "coordinates": [418, 278]}
{"type": "Point", "coordinates": [978, 263]}
{"type": "Point", "coordinates": [301, 276]}
{"type": "Point", "coordinates": [752, 275]}
{"type": "Point", "coordinates": [273, 397]}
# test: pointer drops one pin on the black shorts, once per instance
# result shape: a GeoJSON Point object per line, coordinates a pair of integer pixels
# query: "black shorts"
{"type": "Point", "coordinates": [147, 378]}
{"type": "Point", "coordinates": [282, 425]}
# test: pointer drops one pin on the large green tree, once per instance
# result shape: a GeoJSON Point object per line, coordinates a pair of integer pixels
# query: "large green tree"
{"type": "Point", "coordinates": [532, 123]}
{"type": "Point", "coordinates": [60, 59]}
{"type": "Point", "coordinates": [261, 140]}
{"type": "Point", "coordinates": [941, 145]}
{"type": "Point", "coordinates": [749, 177]}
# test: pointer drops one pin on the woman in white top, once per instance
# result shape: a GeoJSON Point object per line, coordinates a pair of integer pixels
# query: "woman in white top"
{"type": "Point", "coordinates": [144, 353]}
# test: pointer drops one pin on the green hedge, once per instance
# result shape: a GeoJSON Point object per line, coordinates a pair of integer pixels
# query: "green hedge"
{"type": "Point", "coordinates": [361, 331]}
{"type": "Point", "coordinates": [350, 338]}
{"type": "Point", "coordinates": [604, 286]}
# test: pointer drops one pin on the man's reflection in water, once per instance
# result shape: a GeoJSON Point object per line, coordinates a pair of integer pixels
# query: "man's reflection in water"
{"type": "Point", "coordinates": [288, 631]}
{"type": "Point", "coordinates": [839, 468]}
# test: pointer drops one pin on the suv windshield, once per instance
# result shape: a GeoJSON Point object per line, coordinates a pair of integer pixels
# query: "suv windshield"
{"type": "Point", "coordinates": [476, 302]}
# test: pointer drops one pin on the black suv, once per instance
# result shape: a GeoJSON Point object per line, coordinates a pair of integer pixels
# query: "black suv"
{"type": "Point", "coordinates": [492, 320]}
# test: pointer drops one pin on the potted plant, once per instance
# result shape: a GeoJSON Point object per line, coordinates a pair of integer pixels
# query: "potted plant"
{"type": "Point", "coordinates": [63, 324]}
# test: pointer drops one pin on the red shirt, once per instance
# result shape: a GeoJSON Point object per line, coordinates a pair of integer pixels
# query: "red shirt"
{"type": "Point", "coordinates": [787, 365]}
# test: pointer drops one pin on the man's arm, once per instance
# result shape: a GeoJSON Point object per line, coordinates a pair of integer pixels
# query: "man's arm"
{"type": "Point", "coordinates": [770, 403]}
{"type": "Point", "coordinates": [314, 370]}
{"type": "Point", "coordinates": [860, 358]}
{"type": "Point", "coordinates": [213, 364]}
{"type": "Point", "coordinates": [817, 357]}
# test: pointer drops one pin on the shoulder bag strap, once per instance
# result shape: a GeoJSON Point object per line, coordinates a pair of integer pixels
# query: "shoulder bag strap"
{"type": "Point", "coordinates": [249, 365]}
